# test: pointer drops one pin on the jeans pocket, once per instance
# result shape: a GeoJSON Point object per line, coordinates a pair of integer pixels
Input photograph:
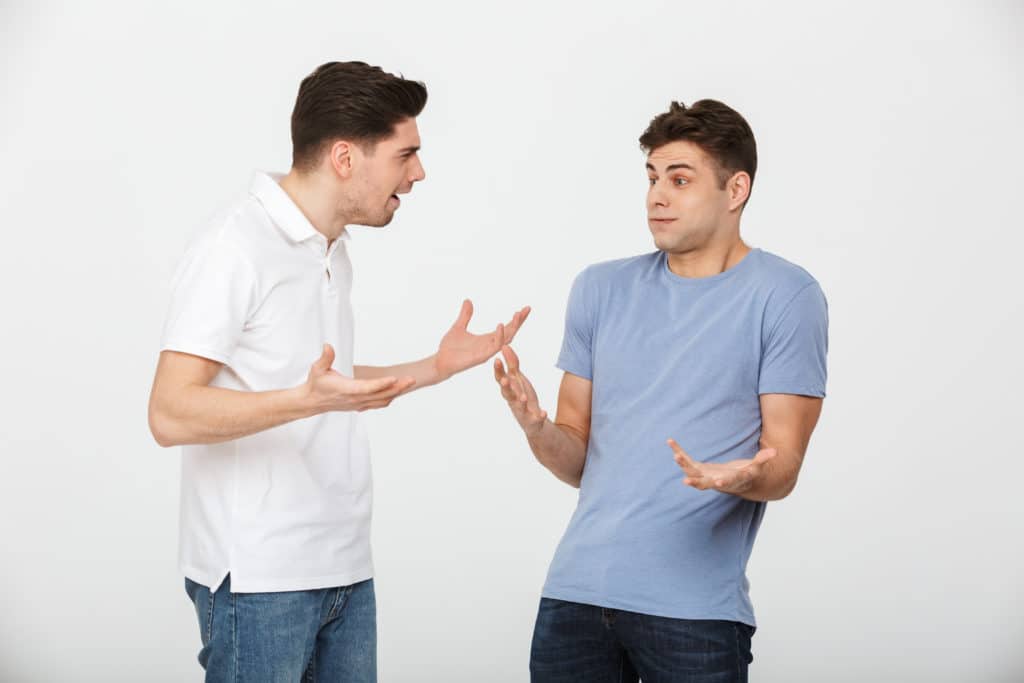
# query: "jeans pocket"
{"type": "Point", "coordinates": [744, 634]}
{"type": "Point", "coordinates": [203, 601]}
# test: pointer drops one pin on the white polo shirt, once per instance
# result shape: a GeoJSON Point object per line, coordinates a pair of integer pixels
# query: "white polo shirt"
{"type": "Point", "coordinates": [287, 508]}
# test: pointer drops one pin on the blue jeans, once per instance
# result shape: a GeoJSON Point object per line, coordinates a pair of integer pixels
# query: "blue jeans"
{"type": "Point", "coordinates": [328, 634]}
{"type": "Point", "coordinates": [574, 642]}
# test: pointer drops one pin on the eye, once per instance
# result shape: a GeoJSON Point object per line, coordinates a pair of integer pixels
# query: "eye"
{"type": "Point", "coordinates": [651, 181]}
{"type": "Point", "coordinates": [679, 182]}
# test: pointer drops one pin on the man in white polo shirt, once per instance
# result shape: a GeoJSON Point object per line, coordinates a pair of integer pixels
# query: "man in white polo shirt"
{"type": "Point", "coordinates": [256, 381]}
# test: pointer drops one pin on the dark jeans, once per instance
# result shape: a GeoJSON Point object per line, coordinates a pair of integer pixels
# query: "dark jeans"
{"type": "Point", "coordinates": [574, 642]}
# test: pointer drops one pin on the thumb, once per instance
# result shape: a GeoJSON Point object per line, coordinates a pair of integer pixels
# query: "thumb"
{"type": "Point", "coordinates": [326, 359]}
{"type": "Point", "coordinates": [765, 455]}
{"type": "Point", "coordinates": [465, 313]}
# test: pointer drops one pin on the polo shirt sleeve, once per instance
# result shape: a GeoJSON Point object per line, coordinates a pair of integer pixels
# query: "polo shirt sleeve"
{"type": "Point", "coordinates": [576, 355]}
{"type": "Point", "coordinates": [211, 295]}
{"type": "Point", "coordinates": [794, 350]}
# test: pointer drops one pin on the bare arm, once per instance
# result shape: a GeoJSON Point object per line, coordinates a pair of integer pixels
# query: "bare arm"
{"type": "Point", "coordinates": [787, 422]}
{"type": "Point", "coordinates": [424, 371]}
{"type": "Point", "coordinates": [561, 446]}
{"type": "Point", "coordinates": [184, 409]}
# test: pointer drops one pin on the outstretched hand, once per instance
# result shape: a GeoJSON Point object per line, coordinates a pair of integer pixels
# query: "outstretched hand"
{"type": "Point", "coordinates": [461, 350]}
{"type": "Point", "coordinates": [327, 389]}
{"type": "Point", "coordinates": [735, 477]}
{"type": "Point", "coordinates": [519, 393]}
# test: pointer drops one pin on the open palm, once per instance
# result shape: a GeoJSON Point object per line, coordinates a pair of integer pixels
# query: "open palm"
{"type": "Point", "coordinates": [735, 476]}
{"type": "Point", "coordinates": [460, 349]}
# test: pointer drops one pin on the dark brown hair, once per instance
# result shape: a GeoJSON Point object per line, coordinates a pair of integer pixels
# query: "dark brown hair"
{"type": "Point", "coordinates": [350, 100]}
{"type": "Point", "coordinates": [716, 128]}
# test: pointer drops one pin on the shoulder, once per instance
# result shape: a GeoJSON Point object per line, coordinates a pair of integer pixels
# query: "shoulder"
{"type": "Point", "coordinates": [783, 280]}
{"type": "Point", "coordinates": [782, 274]}
{"type": "Point", "coordinates": [619, 270]}
{"type": "Point", "coordinates": [789, 291]}
{"type": "Point", "coordinates": [235, 233]}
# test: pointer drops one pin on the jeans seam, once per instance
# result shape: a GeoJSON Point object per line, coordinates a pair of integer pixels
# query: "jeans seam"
{"type": "Point", "coordinates": [340, 598]}
{"type": "Point", "coordinates": [739, 666]}
{"type": "Point", "coordinates": [234, 636]}
{"type": "Point", "coordinates": [209, 617]}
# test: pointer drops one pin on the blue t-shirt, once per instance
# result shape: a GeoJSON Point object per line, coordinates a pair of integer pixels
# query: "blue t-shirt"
{"type": "Point", "coordinates": [685, 358]}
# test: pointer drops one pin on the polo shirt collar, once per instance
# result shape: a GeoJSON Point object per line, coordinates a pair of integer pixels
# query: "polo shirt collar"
{"type": "Point", "coordinates": [283, 211]}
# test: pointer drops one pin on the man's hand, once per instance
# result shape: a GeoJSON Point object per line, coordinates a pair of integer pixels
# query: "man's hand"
{"type": "Point", "coordinates": [328, 390]}
{"type": "Point", "coordinates": [519, 393]}
{"type": "Point", "coordinates": [460, 350]}
{"type": "Point", "coordinates": [735, 477]}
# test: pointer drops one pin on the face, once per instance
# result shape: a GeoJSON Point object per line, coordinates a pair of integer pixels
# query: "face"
{"type": "Point", "coordinates": [381, 174]}
{"type": "Point", "coordinates": [686, 204]}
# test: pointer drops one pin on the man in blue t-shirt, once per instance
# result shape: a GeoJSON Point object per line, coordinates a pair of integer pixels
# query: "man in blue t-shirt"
{"type": "Point", "coordinates": [703, 360]}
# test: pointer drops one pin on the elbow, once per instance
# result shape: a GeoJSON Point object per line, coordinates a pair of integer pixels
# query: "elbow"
{"type": "Point", "coordinates": [783, 491]}
{"type": "Point", "coordinates": [160, 428]}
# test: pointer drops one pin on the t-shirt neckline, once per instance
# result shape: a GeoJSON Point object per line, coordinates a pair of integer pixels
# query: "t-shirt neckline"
{"type": "Point", "coordinates": [700, 282]}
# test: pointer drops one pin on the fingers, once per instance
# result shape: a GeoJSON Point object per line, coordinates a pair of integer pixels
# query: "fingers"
{"type": "Point", "coordinates": [517, 321]}
{"type": "Point", "coordinates": [326, 359]}
{"type": "Point", "coordinates": [503, 380]}
{"type": "Point", "coordinates": [522, 387]}
{"type": "Point", "coordinates": [683, 459]}
{"type": "Point", "coordinates": [699, 483]}
{"type": "Point", "coordinates": [464, 315]}
{"type": "Point", "coordinates": [384, 398]}
{"type": "Point", "coordinates": [519, 394]}
{"type": "Point", "coordinates": [695, 476]}
{"type": "Point", "coordinates": [527, 398]}
{"type": "Point", "coordinates": [395, 389]}
{"type": "Point", "coordinates": [366, 387]}
{"type": "Point", "coordinates": [511, 359]}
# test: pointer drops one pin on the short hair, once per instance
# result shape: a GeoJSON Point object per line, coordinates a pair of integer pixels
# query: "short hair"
{"type": "Point", "coordinates": [350, 100]}
{"type": "Point", "coordinates": [716, 128]}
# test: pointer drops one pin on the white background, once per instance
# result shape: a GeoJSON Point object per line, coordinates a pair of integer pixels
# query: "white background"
{"type": "Point", "coordinates": [890, 151]}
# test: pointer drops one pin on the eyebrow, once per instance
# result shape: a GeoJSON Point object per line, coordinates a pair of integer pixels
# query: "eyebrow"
{"type": "Point", "coordinates": [672, 167]}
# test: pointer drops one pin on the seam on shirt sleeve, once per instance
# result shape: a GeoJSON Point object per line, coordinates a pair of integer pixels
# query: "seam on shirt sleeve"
{"type": "Point", "coordinates": [785, 309]}
{"type": "Point", "coordinates": [207, 352]}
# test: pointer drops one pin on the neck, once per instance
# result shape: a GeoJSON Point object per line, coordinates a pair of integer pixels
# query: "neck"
{"type": "Point", "coordinates": [315, 199]}
{"type": "Point", "coordinates": [710, 259]}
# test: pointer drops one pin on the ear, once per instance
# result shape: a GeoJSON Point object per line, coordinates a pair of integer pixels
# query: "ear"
{"type": "Point", "coordinates": [739, 189]}
{"type": "Point", "coordinates": [340, 158]}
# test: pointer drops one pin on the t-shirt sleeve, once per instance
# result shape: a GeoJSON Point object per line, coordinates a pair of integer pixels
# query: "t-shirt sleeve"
{"type": "Point", "coordinates": [211, 295]}
{"type": "Point", "coordinates": [576, 355]}
{"type": "Point", "coordinates": [794, 350]}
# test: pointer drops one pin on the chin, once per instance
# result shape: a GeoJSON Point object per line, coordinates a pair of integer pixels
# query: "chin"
{"type": "Point", "coordinates": [673, 244]}
{"type": "Point", "coordinates": [665, 242]}
{"type": "Point", "coordinates": [379, 221]}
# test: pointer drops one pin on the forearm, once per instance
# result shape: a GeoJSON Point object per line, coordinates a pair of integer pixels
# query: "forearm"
{"type": "Point", "coordinates": [197, 414]}
{"type": "Point", "coordinates": [777, 478]}
{"type": "Point", "coordinates": [560, 449]}
{"type": "Point", "coordinates": [424, 371]}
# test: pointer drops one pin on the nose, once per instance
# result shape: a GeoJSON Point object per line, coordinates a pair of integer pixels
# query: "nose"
{"type": "Point", "coordinates": [417, 171]}
{"type": "Point", "coordinates": [656, 197]}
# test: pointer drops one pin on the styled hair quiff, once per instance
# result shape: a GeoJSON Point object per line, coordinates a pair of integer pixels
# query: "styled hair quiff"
{"type": "Point", "coordinates": [350, 100]}
{"type": "Point", "coordinates": [716, 128]}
